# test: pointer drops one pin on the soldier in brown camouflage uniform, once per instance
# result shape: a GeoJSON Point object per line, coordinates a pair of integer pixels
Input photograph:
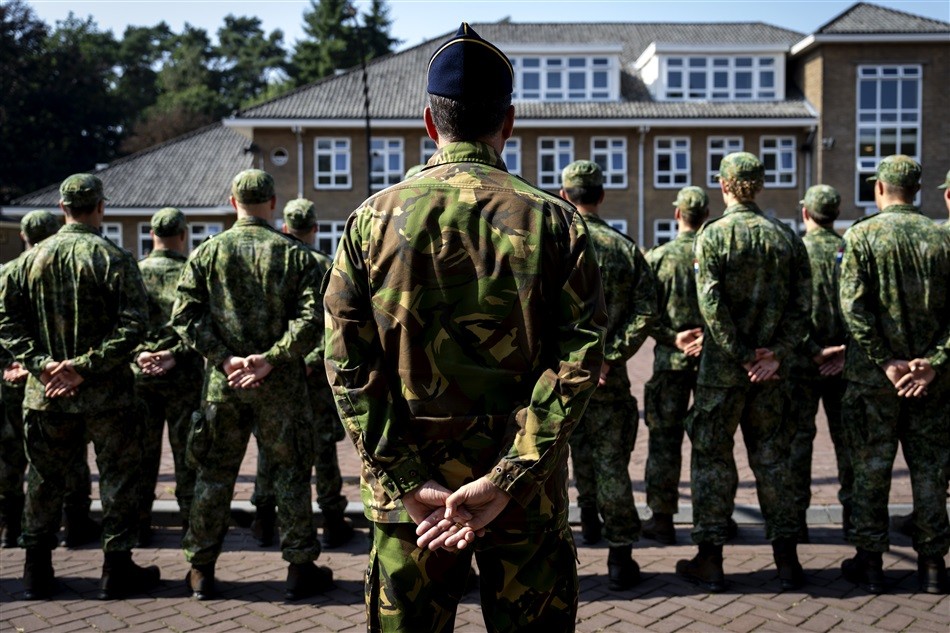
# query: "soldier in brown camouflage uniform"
{"type": "Point", "coordinates": [465, 325]}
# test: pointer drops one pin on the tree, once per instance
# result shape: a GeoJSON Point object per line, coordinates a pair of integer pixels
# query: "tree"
{"type": "Point", "coordinates": [142, 51]}
{"type": "Point", "coordinates": [376, 27]}
{"type": "Point", "coordinates": [247, 59]}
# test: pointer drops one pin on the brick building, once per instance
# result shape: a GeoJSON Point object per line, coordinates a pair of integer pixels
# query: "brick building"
{"type": "Point", "coordinates": [657, 105]}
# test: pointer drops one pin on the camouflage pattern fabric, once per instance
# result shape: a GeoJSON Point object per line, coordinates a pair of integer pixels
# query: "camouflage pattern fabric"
{"type": "Point", "coordinates": [668, 391]}
{"type": "Point", "coordinates": [754, 288]}
{"type": "Point", "coordinates": [77, 296]}
{"type": "Point", "coordinates": [605, 436]}
{"type": "Point", "coordinates": [895, 298]}
{"type": "Point", "coordinates": [174, 396]}
{"type": "Point", "coordinates": [252, 290]}
{"type": "Point", "coordinates": [527, 583]}
{"type": "Point", "coordinates": [826, 328]}
{"type": "Point", "coordinates": [465, 331]}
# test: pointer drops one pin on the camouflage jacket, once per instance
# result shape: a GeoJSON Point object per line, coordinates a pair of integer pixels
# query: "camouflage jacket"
{"type": "Point", "coordinates": [314, 358]}
{"type": "Point", "coordinates": [77, 296]}
{"type": "Point", "coordinates": [250, 290]}
{"type": "Point", "coordinates": [754, 286]}
{"type": "Point", "coordinates": [895, 292]}
{"type": "Point", "coordinates": [672, 263]}
{"type": "Point", "coordinates": [160, 273]}
{"type": "Point", "coordinates": [465, 332]}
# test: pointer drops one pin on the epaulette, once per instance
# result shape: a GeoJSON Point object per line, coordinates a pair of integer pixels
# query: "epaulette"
{"type": "Point", "coordinates": [865, 218]}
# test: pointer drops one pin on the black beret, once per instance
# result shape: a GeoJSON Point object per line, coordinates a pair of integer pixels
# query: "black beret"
{"type": "Point", "coordinates": [468, 66]}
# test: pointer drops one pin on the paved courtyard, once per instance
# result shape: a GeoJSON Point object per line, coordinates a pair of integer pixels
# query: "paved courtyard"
{"type": "Point", "coordinates": [251, 578]}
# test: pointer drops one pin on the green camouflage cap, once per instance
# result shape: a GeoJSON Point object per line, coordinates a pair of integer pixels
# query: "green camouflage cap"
{"type": "Point", "coordinates": [741, 166]}
{"type": "Point", "coordinates": [252, 186]}
{"type": "Point", "coordinates": [691, 198]}
{"type": "Point", "coordinates": [582, 173]}
{"type": "Point", "coordinates": [415, 169]}
{"type": "Point", "coordinates": [81, 190]}
{"type": "Point", "coordinates": [168, 222]}
{"type": "Point", "coordinates": [823, 202]}
{"type": "Point", "coordinates": [899, 170]}
{"type": "Point", "coordinates": [38, 225]}
{"type": "Point", "coordinates": [946, 182]}
{"type": "Point", "coordinates": [300, 215]}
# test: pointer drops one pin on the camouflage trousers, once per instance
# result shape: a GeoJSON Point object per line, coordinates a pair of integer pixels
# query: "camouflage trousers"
{"type": "Point", "coordinates": [763, 411]}
{"type": "Point", "coordinates": [600, 454]}
{"type": "Point", "coordinates": [875, 421]}
{"type": "Point", "coordinates": [666, 397]}
{"type": "Point", "coordinates": [55, 443]}
{"type": "Point", "coordinates": [806, 393]}
{"type": "Point", "coordinates": [527, 581]}
{"type": "Point", "coordinates": [173, 403]}
{"type": "Point", "coordinates": [285, 436]}
{"type": "Point", "coordinates": [327, 431]}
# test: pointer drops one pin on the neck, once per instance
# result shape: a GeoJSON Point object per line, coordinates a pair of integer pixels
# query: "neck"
{"type": "Point", "coordinates": [586, 209]}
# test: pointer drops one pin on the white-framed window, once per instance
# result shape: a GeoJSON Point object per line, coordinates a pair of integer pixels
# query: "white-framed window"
{"type": "Point", "coordinates": [671, 162]}
{"type": "Point", "coordinates": [198, 232]}
{"type": "Point", "coordinates": [145, 242]}
{"type": "Point", "coordinates": [888, 120]}
{"type": "Point", "coordinates": [331, 163]}
{"type": "Point", "coordinates": [554, 154]}
{"type": "Point", "coordinates": [611, 154]}
{"type": "Point", "coordinates": [620, 225]}
{"type": "Point", "coordinates": [777, 154]}
{"type": "Point", "coordinates": [717, 148]}
{"type": "Point", "coordinates": [664, 231]}
{"type": "Point", "coordinates": [427, 148]}
{"type": "Point", "coordinates": [328, 236]}
{"type": "Point", "coordinates": [512, 155]}
{"type": "Point", "coordinates": [565, 77]}
{"type": "Point", "coordinates": [113, 231]}
{"type": "Point", "coordinates": [387, 161]}
{"type": "Point", "coordinates": [722, 78]}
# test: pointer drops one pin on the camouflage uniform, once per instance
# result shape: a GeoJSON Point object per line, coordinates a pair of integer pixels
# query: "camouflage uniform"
{"type": "Point", "coordinates": [826, 329]}
{"type": "Point", "coordinates": [465, 325]}
{"type": "Point", "coordinates": [754, 290]}
{"type": "Point", "coordinates": [171, 397]}
{"type": "Point", "coordinates": [251, 290]}
{"type": "Point", "coordinates": [895, 277]}
{"type": "Point", "coordinates": [78, 296]}
{"type": "Point", "coordinates": [668, 391]}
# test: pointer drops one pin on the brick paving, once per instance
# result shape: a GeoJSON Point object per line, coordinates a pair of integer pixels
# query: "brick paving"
{"type": "Point", "coordinates": [251, 578]}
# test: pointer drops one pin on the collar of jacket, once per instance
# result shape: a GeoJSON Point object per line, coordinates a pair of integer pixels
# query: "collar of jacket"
{"type": "Point", "coordinates": [168, 253]}
{"type": "Point", "coordinates": [739, 207]}
{"type": "Point", "coordinates": [900, 208]}
{"type": "Point", "coordinates": [468, 152]}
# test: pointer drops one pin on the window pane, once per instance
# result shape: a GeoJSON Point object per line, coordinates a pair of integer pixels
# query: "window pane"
{"type": "Point", "coordinates": [577, 62]}
{"type": "Point", "coordinates": [909, 94]}
{"type": "Point", "coordinates": [554, 80]}
{"type": "Point", "coordinates": [909, 142]}
{"type": "Point", "coordinates": [323, 163]}
{"type": "Point", "coordinates": [720, 80]}
{"type": "Point", "coordinates": [868, 95]}
{"type": "Point", "coordinates": [889, 94]}
{"type": "Point", "coordinates": [743, 80]}
{"type": "Point", "coordinates": [743, 62]}
{"type": "Point", "coordinates": [531, 81]}
{"type": "Point", "coordinates": [767, 79]}
{"type": "Point", "coordinates": [675, 80]}
{"type": "Point", "coordinates": [663, 162]}
{"type": "Point", "coordinates": [697, 81]}
{"type": "Point", "coordinates": [697, 62]}
{"type": "Point", "coordinates": [600, 79]}
{"type": "Point", "coordinates": [888, 141]}
{"type": "Point", "coordinates": [867, 142]}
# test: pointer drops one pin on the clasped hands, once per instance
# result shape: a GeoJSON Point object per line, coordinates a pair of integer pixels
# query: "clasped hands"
{"type": "Point", "coordinates": [156, 363]}
{"type": "Point", "coordinates": [690, 342]}
{"type": "Point", "coordinates": [452, 520]}
{"type": "Point", "coordinates": [764, 367]}
{"type": "Point", "coordinates": [246, 372]}
{"type": "Point", "coordinates": [911, 378]}
{"type": "Point", "coordinates": [60, 379]}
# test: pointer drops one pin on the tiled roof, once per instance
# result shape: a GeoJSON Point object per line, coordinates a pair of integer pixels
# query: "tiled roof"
{"type": "Point", "coordinates": [193, 170]}
{"type": "Point", "coordinates": [866, 19]}
{"type": "Point", "coordinates": [397, 81]}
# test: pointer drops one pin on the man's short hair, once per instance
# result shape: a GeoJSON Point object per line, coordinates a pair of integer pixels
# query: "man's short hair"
{"type": "Point", "coordinates": [823, 203]}
{"type": "Point", "coordinates": [693, 205]}
{"type": "Point", "coordinates": [585, 195]}
{"type": "Point", "coordinates": [468, 120]}
{"type": "Point", "coordinates": [905, 193]}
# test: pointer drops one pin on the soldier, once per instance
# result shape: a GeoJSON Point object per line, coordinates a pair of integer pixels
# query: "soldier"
{"type": "Point", "coordinates": [816, 369]}
{"type": "Point", "coordinates": [895, 277]}
{"type": "Point", "coordinates": [168, 373]}
{"type": "Point", "coordinates": [465, 325]}
{"type": "Point", "coordinates": [300, 223]}
{"type": "Point", "coordinates": [71, 314]}
{"type": "Point", "coordinates": [248, 302]}
{"type": "Point", "coordinates": [80, 529]}
{"type": "Point", "coordinates": [946, 197]}
{"type": "Point", "coordinates": [679, 342]}
{"type": "Point", "coordinates": [602, 441]}
{"type": "Point", "coordinates": [754, 291]}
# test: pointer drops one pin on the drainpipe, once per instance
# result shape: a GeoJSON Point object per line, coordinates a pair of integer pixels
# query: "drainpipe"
{"type": "Point", "coordinates": [297, 131]}
{"type": "Point", "coordinates": [641, 221]}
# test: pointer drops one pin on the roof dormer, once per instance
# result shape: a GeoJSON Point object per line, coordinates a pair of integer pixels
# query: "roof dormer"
{"type": "Point", "coordinates": [559, 73]}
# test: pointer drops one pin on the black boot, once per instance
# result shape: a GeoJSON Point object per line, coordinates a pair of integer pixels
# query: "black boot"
{"type": "Point", "coordinates": [265, 524]}
{"type": "Point", "coordinates": [200, 582]}
{"type": "Point", "coordinates": [790, 572]}
{"type": "Point", "coordinates": [11, 519]}
{"type": "Point", "coordinates": [803, 536]}
{"type": "Point", "coordinates": [865, 569]}
{"type": "Point", "coordinates": [121, 577]}
{"type": "Point", "coordinates": [622, 571]}
{"type": "Point", "coordinates": [932, 575]}
{"type": "Point", "coordinates": [38, 580]}
{"type": "Point", "coordinates": [590, 526]}
{"type": "Point", "coordinates": [705, 569]}
{"type": "Point", "coordinates": [79, 529]}
{"type": "Point", "coordinates": [307, 579]}
{"type": "Point", "coordinates": [659, 528]}
{"type": "Point", "coordinates": [337, 529]}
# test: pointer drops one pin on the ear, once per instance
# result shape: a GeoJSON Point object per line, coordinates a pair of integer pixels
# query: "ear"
{"type": "Point", "coordinates": [273, 202]}
{"type": "Point", "coordinates": [430, 124]}
{"type": "Point", "coordinates": [804, 214]}
{"type": "Point", "coordinates": [563, 195]}
{"type": "Point", "coordinates": [603, 194]}
{"type": "Point", "coordinates": [233, 202]}
{"type": "Point", "coordinates": [677, 214]}
{"type": "Point", "coordinates": [284, 229]}
{"type": "Point", "coordinates": [509, 125]}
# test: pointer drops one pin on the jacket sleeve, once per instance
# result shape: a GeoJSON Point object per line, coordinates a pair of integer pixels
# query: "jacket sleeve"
{"type": "Point", "coordinates": [859, 301]}
{"type": "Point", "coordinates": [719, 323]}
{"type": "Point", "coordinates": [16, 335]}
{"type": "Point", "coordinates": [639, 314]}
{"type": "Point", "coordinates": [191, 315]}
{"type": "Point", "coordinates": [795, 323]}
{"type": "Point", "coordinates": [304, 329]}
